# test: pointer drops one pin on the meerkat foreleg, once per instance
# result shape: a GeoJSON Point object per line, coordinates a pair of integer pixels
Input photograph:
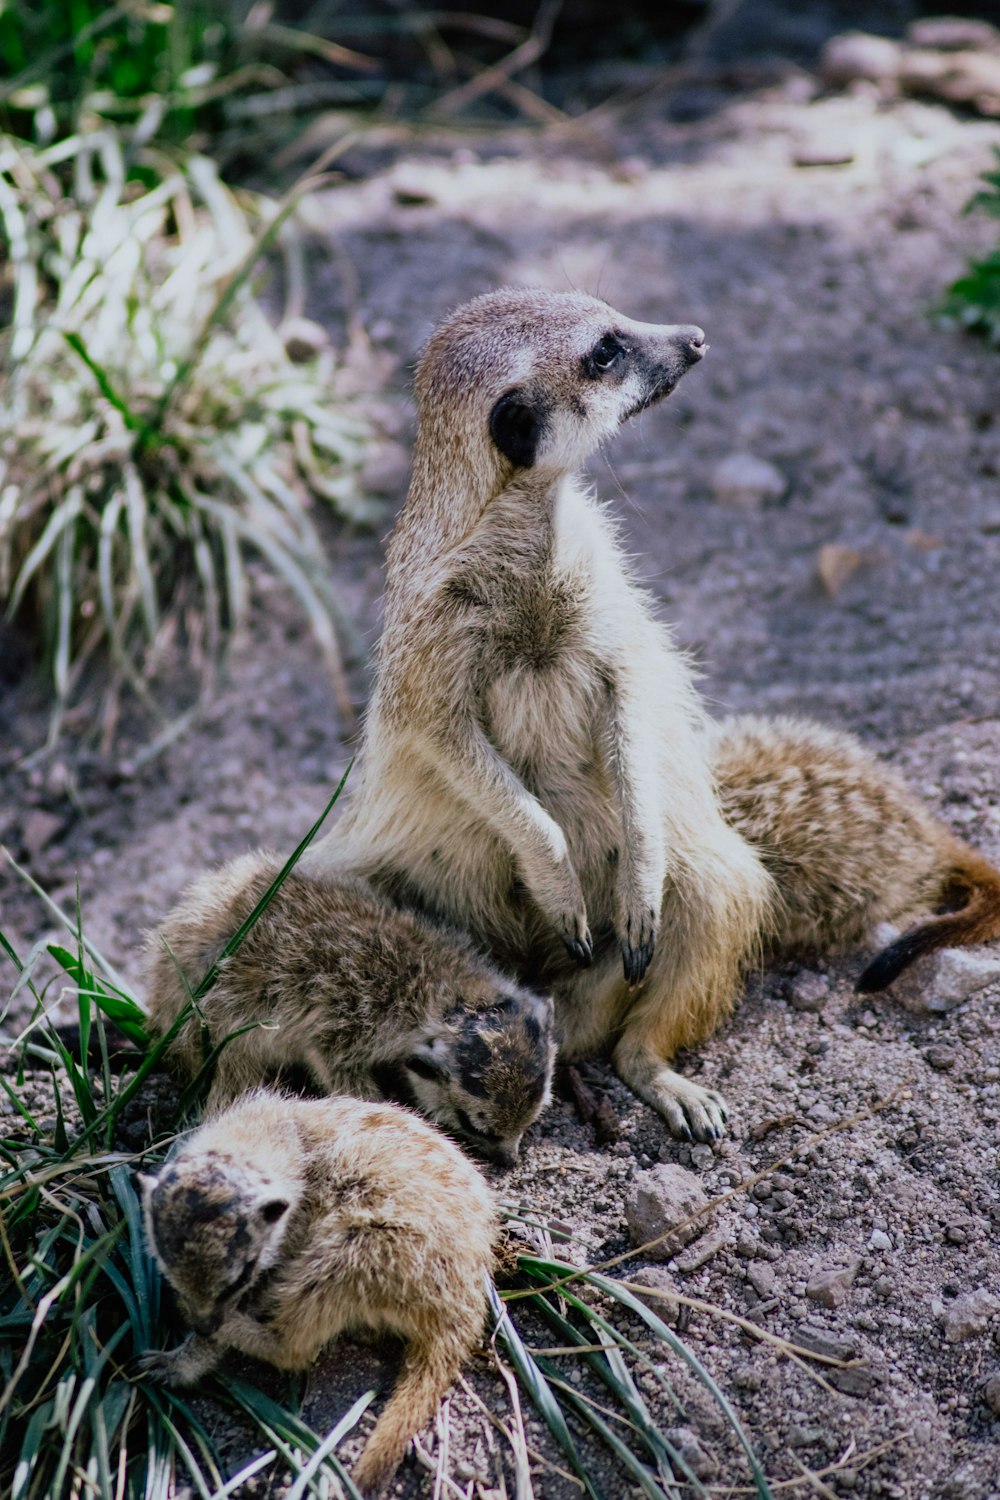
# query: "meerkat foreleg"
{"type": "Point", "coordinates": [479, 776]}
{"type": "Point", "coordinates": [641, 866]}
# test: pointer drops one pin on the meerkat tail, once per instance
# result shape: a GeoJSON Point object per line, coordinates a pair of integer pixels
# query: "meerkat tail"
{"type": "Point", "coordinates": [972, 882]}
{"type": "Point", "coordinates": [424, 1381]}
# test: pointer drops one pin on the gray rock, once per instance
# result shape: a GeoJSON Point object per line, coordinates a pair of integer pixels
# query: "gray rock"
{"type": "Point", "coordinates": [969, 1315]}
{"type": "Point", "coordinates": [830, 1287]}
{"type": "Point", "coordinates": [953, 34]}
{"type": "Point", "coordinates": [808, 992]}
{"type": "Point", "coordinates": [859, 54]}
{"type": "Point", "coordinates": [818, 1341]}
{"type": "Point", "coordinates": [40, 828]}
{"type": "Point", "coordinates": [761, 1277]}
{"type": "Point", "coordinates": [657, 1279]}
{"type": "Point", "coordinates": [707, 1245]}
{"type": "Point", "coordinates": [879, 1240]}
{"type": "Point", "coordinates": [991, 1393]}
{"type": "Point", "coordinates": [700, 1462]}
{"type": "Point", "coordinates": [856, 1381]}
{"type": "Point", "coordinates": [746, 482]}
{"type": "Point", "coordinates": [660, 1199]}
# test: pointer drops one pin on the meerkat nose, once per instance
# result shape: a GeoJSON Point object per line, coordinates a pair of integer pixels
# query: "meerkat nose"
{"type": "Point", "coordinates": [693, 342]}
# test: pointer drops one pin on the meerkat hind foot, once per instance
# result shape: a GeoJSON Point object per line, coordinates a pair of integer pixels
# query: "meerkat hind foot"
{"type": "Point", "coordinates": [691, 1112]}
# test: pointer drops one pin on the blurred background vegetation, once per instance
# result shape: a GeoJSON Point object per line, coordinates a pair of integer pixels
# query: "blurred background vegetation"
{"type": "Point", "coordinates": [170, 411]}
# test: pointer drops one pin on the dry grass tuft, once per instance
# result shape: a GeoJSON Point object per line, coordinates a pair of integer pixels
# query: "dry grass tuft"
{"type": "Point", "coordinates": [159, 431]}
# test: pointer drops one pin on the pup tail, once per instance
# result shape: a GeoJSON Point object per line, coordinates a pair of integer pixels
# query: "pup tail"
{"type": "Point", "coordinates": [971, 892]}
{"type": "Point", "coordinates": [423, 1382]}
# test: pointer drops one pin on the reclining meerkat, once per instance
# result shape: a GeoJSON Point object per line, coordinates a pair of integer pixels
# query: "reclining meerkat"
{"type": "Point", "coordinates": [848, 845]}
{"type": "Point", "coordinates": [283, 1222]}
{"type": "Point", "coordinates": [365, 999]}
{"type": "Point", "coordinates": [537, 765]}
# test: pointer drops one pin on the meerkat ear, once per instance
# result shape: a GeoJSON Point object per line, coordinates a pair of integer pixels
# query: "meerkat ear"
{"type": "Point", "coordinates": [144, 1184]}
{"type": "Point", "coordinates": [516, 427]}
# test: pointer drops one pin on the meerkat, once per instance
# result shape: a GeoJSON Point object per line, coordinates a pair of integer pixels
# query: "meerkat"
{"type": "Point", "coordinates": [848, 846]}
{"type": "Point", "coordinates": [363, 998]}
{"type": "Point", "coordinates": [537, 763]}
{"type": "Point", "coordinates": [283, 1222]}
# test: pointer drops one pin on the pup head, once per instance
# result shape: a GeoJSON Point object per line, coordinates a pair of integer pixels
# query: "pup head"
{"type": "Point", "coordinates": [485, 1073]}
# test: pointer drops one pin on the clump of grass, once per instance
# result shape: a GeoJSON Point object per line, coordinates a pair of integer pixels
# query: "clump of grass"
{"type": "Point", "coordinates": [973, 301]}
{"type": "Point", "coordinates": [567, 1298]}
{"type": "Point", "coordinates": [158, 429]}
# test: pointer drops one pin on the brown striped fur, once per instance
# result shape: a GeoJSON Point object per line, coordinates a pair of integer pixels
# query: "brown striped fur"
{"type": "Point", "coordinates": [848, 845]}
{"type": "Point", "coordinates": [336, 983]}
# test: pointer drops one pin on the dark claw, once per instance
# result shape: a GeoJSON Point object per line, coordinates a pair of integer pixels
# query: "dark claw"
{"type": "Point", "coordinates": [580, 951]}
{"type": "Point", "coordinates": [636, 961]}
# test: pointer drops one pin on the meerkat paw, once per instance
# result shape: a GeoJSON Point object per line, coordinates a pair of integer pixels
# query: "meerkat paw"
{"type": "Point", "coordinates": [576, 935]}
{"type": "Point", "coordinates": [560, 895]}
{"type": "Point", "coordinates": [692, 1113]}
{"type": "Point", "coordinates": [182, 1366]}
{"type": "Point", "coordinates": [636, 934]}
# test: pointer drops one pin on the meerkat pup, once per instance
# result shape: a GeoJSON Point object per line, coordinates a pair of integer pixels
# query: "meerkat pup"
{"type": "Point", "coordinates": [283, 1222]}
{"type": "Point", "coordinates": [363, 998]}
{"type": "Point", "coordinates": [537, 765]}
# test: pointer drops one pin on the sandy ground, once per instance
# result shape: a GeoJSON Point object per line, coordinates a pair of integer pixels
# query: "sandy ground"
{"type": "Point", "coordinates": [814, 284]}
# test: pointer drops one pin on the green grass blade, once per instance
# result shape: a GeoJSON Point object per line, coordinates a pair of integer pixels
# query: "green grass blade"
{"type": "Point", "coordinates": [540, 1391]}
{"type": "Point", "coordinates": [281, 1429]}
{"type": "Point", "coordinates": [107, 390]}
{"type": "Point", "coordinates": [126, 1015]}
{"type": "Point", "coordinates": [108, 969]}
{"type": "Point", "coordinates": [611, 1369]}
{"type": "Point", "coordinates": [347, 1423]}
{"type": "Point", "coordinates": [272, 890]}
{"type": "Point", "coordinates": [628, 1299]}
{"type": "Point", "coordinates": [643, 1476]}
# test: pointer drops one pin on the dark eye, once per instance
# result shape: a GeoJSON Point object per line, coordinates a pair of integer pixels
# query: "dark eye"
{"type": "Point", "coordinates": [473, 1131]}
{"type": "Point", "coordinates": [604, 356]}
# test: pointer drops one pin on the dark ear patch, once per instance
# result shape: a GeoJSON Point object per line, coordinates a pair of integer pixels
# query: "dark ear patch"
{"type": "Point", "coordinates": [516, 426]}
{"type": "Point", "coordinates": [273, 1210]}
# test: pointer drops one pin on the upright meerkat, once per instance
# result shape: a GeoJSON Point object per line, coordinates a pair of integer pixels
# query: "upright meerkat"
{"type": "Point", "coordinates": [365, 999]}
{"type": "Point", "coordinates": [283, 1222]}
{"type": "Point", "coordinates": [537, 765]}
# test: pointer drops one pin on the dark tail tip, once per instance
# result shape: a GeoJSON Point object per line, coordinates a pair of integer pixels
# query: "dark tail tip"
{"type": "Point", "coordinates": [890, 963]}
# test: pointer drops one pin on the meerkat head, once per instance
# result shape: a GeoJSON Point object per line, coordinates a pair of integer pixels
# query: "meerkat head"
{"type": "Point", "coordinates": [213, 1228]}
{"type": "Point", "coordinates": [538, 380]}
{"type": "Point", "coordinates": [484, 1072]}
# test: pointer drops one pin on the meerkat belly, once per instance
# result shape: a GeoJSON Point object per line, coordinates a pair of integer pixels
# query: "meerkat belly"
{"type": "Point", "coordinates": [545, 724]}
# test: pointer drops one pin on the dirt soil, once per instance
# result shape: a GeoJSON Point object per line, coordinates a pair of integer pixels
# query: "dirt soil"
{"type": "Point", "coordinates": [814, 284]}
